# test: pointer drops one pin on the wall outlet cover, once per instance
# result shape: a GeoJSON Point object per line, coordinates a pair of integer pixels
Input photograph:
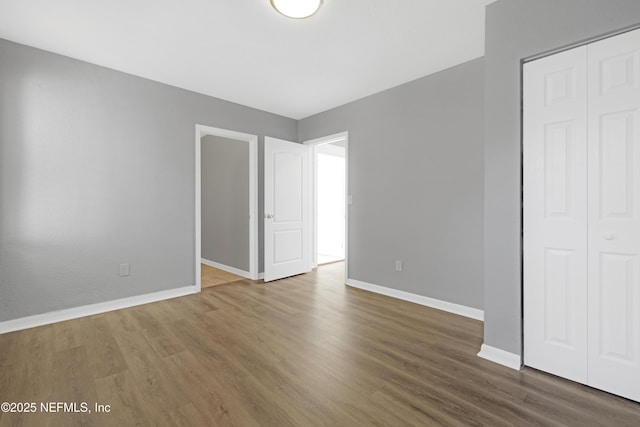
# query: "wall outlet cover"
{"type": "Point", "coordinates": [124, 270]}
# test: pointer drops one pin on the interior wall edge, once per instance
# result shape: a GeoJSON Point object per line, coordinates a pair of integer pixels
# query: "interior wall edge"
{"type": "Point", "coordinates": [501, 357]}
{"type": "Point", "coordinates": [515, 30]}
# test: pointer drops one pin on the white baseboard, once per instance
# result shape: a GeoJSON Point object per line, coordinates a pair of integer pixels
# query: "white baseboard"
{"type": "Point", "coordinates": [461, 310]}
{"type": "Point", "coordinates": [91, 309]}
{"type": "Point", "coordinates": [261, 276]}
{"type": "Point", "coordinates": [493, 354]}
{"type": "Point", "coordinates": [227, 268]}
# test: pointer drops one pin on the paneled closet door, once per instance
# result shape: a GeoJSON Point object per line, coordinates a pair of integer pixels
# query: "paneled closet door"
{"type": "Point", "coordinates": [555, 214]}
{"type": "Point", "coordinates": [614, 214]}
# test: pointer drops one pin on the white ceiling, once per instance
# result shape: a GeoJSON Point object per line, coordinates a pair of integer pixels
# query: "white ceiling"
{"type": "Point", "coordinates": [244, 51]}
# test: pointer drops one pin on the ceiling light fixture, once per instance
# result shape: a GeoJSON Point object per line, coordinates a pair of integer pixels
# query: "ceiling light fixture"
{"type": "Point", "coordinates": [297, 8]}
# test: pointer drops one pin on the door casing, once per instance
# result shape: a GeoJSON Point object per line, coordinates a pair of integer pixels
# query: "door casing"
{"type": "Point", "coordinates": [252, 140]}
{"type": "Point", "coordinates": [315, 143]}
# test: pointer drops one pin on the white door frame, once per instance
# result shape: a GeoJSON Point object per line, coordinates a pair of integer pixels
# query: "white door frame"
{"type": "Point", "coordinates": [201, 131]}
{"type": "Point", "coordinates": [315, 143]}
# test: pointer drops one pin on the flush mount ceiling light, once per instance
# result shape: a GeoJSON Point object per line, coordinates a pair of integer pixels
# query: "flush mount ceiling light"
{"type": "Point", "coordinates": [296, 8]}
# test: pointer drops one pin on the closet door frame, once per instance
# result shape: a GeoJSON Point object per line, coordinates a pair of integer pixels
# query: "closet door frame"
{"type": "Point", "coordinates": [524, 61]}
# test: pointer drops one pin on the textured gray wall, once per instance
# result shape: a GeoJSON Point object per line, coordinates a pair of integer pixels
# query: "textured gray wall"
{"type": "Point", "coordinates": [517, 29]}
{"type": "Point", "coordinates": [225, 201]}
{"type": "Point", "coordinates": [96, 169]}
{"type": "Point", "coordinates": [415, 173]}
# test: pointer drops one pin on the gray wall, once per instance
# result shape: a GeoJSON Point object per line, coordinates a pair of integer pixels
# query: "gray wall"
{"type": "Point", "coordinates": [97, 169]}
{"type": "Point", "coordinates": [225, 201]}
{"type": "Point", "coordinates": [516, 29]}
{"type": "Point", "coordinates": [416, 176]}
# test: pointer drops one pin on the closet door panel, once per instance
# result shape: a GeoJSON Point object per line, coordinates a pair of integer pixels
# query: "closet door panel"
{"type": "Point", "coordinates": [614, 214]}
{"type": "Point", "coordinates": [555, 214]}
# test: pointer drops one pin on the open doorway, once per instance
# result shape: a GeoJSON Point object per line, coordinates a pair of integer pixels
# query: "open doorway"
{"type": "Point", "coordinates": [228, 234]}
{"type": "Point", "coordinates": [330, 202]}
{"type": "Point", "coordinates": [329, 184]}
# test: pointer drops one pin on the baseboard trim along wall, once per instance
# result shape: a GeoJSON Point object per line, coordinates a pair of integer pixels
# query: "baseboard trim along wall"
{"type": "Point", "coordinates": [227, 268]}
{"type": "Point", "coordinates": [510, 360]}
{"type": "Point", "coordinates": [89, 310]}
{"type": "Point", "coordinates": [461, 310]}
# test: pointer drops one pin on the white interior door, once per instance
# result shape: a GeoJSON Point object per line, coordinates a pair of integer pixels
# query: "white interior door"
{"type": "Point", "coordinates": [286, 207]}
{"type": "Point", "coordinates": [614, 214]}
{"type": "Point", "coordinates": [555, 214]}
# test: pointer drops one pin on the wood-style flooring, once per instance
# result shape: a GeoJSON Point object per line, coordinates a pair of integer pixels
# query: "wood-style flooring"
{"type": "Point", "coordinates": [303, 351]}
{"type": "Point", "coordinates": [212, 276]}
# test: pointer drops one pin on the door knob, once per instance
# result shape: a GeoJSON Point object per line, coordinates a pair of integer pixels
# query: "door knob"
{"type": "Point", "coordinates": [268, 216]}
{"type": "Point", "coordinates": [608, 236]}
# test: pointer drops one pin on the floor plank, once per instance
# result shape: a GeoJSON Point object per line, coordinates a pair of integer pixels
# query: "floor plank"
{"type": "Point", "coordinates": [302, 351]}
{"type": "Point", "coordinates": [211, 276]}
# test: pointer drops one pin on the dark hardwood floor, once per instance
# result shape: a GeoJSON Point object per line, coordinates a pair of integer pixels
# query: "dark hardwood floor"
{"type": "Point", "coordinates": [304, 351]}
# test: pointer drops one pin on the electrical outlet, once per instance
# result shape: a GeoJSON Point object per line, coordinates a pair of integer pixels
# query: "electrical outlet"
{"type": "Point", "coordinates": [125, 270]}
{"type": "Point", "coordinates": [398, 265]}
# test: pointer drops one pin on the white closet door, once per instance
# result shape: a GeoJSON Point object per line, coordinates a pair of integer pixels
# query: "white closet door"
{"type": "Point", "coordinates": [555, 214]}
{"type": "Point", "coordinates": [614, 215]}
